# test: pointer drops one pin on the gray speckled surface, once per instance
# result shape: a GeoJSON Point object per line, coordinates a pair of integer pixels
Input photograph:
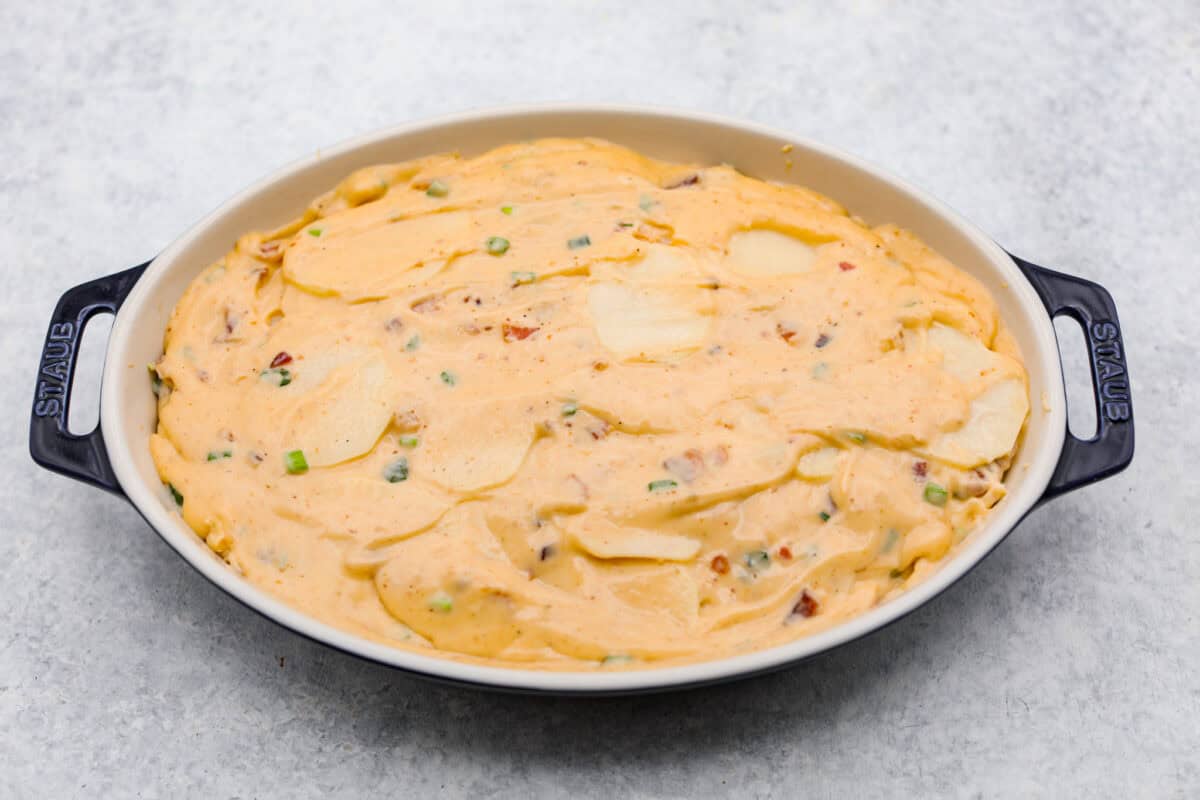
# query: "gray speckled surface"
{"type": "Point", "coordinates": [1066, 665]}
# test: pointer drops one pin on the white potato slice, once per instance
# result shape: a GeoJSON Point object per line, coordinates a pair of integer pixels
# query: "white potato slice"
{"type": "Point", "coordinates": [766, 254]}
{"type": "Point", "coordinates": [819, 465]}
{"type": "Point", "coordinates": [343, 416]}
{"type": "Point", "coordinates": [473, 447]}
{"type": "Point", "coordinates": [649, 323]}
{"type": "Point", "coordinates": [605, 539]}
{"type": "Point", "coordinates": [991, 429]}
{"type": "Point", "coordinates": [963, 356]}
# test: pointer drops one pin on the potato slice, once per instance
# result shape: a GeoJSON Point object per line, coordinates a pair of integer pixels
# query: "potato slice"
{"type": "Point", "coordinates": [993, 423]}
{"type": "Point", "coordinates": [650, 323]}
{"type": "Point", "coordinates": [764, 253]}
{"type": "Point", "coordinates": [604, 539]}
{"type": "Point", "coordinates": [818, 465]}
{"type": "Point", "coordinates": [343, 416]}
{"type": "Point", "coordinates": [472, 447]}
{"type": "Point", "coordinates": [963, 356]}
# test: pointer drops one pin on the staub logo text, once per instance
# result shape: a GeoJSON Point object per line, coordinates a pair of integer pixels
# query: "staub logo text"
{"type": "Point", "coordinates": [1110, 369]}
{"type": "Point", "coordinates": [52, 382]}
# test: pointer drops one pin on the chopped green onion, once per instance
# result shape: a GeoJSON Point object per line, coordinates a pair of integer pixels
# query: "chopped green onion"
{"type": "Point", "coordinates": [441, 603]}
{"type": "Point", "coordinates": [570, 408]}
{"type": "Point", "coordinates": [616, 658]}
{"type": "Point", "coordinates": [522, 278]}
{"type": "Point", "coordinates": [396, 471]}
{"type": "Point", "coordinates": [824, 515]}
{"type": "Point", "coordinates": [497, 245]}
{"type": "Point", "coordinates": [314, 232]}
{"type": "Point", "coordinates": [579, 241]}
{"type": "Point", "coordinates": [935, 495]}
{"type": "Point", "coordinates": [646, 202]}
{"type": "Point", "coordinates": [757, 559]}
{"type": "Point", "coordinates": [820, 370]}
{"type": "Point", "coordinates": [892, 537]}
{"type": "Point", "coordinates": [506, 210]}
{"type": "Point", "coordinates": [437, 189]}
{"type": "Point", "coordinates": [855, 436]}
{"type": "Point", "coordinates": [624, 224]}
{"type": "Point", "coordinates": [175, 494]}
{"type": "Point", "coordinates": [295, 462]}
{"type": "Point", "coordinates": [664, 485]}
{"type": "Point", "coordinates": [409, 441]}
{"type": "Point", "coordinates": [448, 378]}
{"type": "Point", "coordinates": [280, 376]}
{"type": "Point", "coordinates": [217, 455]}
{"type": "Point", "coordinates": [413, 343]}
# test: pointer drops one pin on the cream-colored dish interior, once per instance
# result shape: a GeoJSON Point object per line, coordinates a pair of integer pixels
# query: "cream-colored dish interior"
{"type": "Point", "coordinates": [563, 406]}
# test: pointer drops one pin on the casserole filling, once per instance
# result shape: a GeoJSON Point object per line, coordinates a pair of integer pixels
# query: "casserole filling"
{"type": "Point", "coordinates": [564, 406]}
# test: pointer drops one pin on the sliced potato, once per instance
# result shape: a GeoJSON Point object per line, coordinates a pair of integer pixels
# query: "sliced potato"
{"type": "Point", "coordinates": [764, 253]}
{"type": "Point", "coordinates": [963, 356]}
{"type": "Point", "coordinates": [478, 446]}
{"type": "Point", "coordinates": [818, 465]}
{"type": "Point", "coordinates": [605, 539]}
{"type": "Point", "coordinates": [344, 416]}
{"type": "Point", "coordinates": [991, 429]}
{"type": "Point", "coordinates": [650, 323]}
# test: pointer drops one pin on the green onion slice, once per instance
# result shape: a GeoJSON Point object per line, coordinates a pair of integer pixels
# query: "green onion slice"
{"type": "Point", "coordinates": [579, 241]}
{"type": "Point", "coordinates": [409, 441]}
{"type": "Point", "coordinates": [280, 376]}
{"type": "Point", "coordinates": [570, 408]}
{"type": "Point", "coordinates": [397, 471]}
{"type": "Point", "coordinates": [448, 378]}
{"type": "Point", "coordinates": [175, 494]}
{"type": "Point", "coordinates": [664, 485]}
{"type": "Point", "coordinates": [935, 495]}
{"type": "Point", "coordinates": [217, 455]}
{"type": "Point", "coordinates": [522, 278]}
{"type": "Point", "coordinates": [437, 189]}
{"type": "Point", "coordinates": [497, 245]}
{"type": "Point", "coordinates": [757, 559]}
{"type": "Point", "coordinates": [441, 603]}
{"type": "Point", "coordinates": [295, 462]}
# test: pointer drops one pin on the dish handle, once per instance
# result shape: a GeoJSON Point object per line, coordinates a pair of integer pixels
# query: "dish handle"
{"type": "Point", "coordinates": [1110, 450]}
{"type": "Point", "coordinates": [51, 444]}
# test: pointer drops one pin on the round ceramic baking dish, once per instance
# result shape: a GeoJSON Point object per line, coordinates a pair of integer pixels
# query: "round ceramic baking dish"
{"type": "Point", "coordinates": [1050, 461]}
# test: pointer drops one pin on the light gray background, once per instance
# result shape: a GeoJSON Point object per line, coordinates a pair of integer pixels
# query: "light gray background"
{"type": "Point", "coordinates": [1066, 665]}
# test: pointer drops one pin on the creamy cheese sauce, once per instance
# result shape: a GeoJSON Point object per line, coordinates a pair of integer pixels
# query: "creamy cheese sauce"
{"type": "Point", "coordinates": [563, 406]}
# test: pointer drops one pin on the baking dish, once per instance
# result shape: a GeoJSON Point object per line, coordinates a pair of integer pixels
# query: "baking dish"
{"type": "Point", "coordinates": [1050, 461]}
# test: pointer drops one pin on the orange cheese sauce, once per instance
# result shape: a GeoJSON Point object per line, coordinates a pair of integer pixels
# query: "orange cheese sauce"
{"type": "Point", "coordinates": [566, 407]}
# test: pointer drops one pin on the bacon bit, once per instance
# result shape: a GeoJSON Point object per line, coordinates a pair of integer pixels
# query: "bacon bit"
{"type": "Point", "coordinates": [202, 374]}
{"type": "Point", "coordinates": [784, 333]}
{"type": "Point", "coordinates": [394, 324]}
{"type": "Point", "coordinates": [690, 180]}
{"type": "Point", "coordinates": [687, 466]}
{"type": "Point", "coordinates": [600, 431]}
{"type": "Point", "coordinates": [785, 552]}
{"type": "Point", "coordinates": [921, 469]}
{"type": "Point", "coordinates": [718, 455]}
{"type": "Point", "coordinates": [270, 250]}
{"type": "Point", "coordinates": [720, 564]}
{"type": "Point", "coordinates": [281, 358]}
{"type": "Point", "coordinates": [821, 341]}
{"type": "Point", "coordinates": [807, 605]}
{"type": "Point", "coordinates": [846, 266]}
{"type": "Point", "coordinates": [226, 434]}
{"type": "Point", "coordinates": [517, 332]}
